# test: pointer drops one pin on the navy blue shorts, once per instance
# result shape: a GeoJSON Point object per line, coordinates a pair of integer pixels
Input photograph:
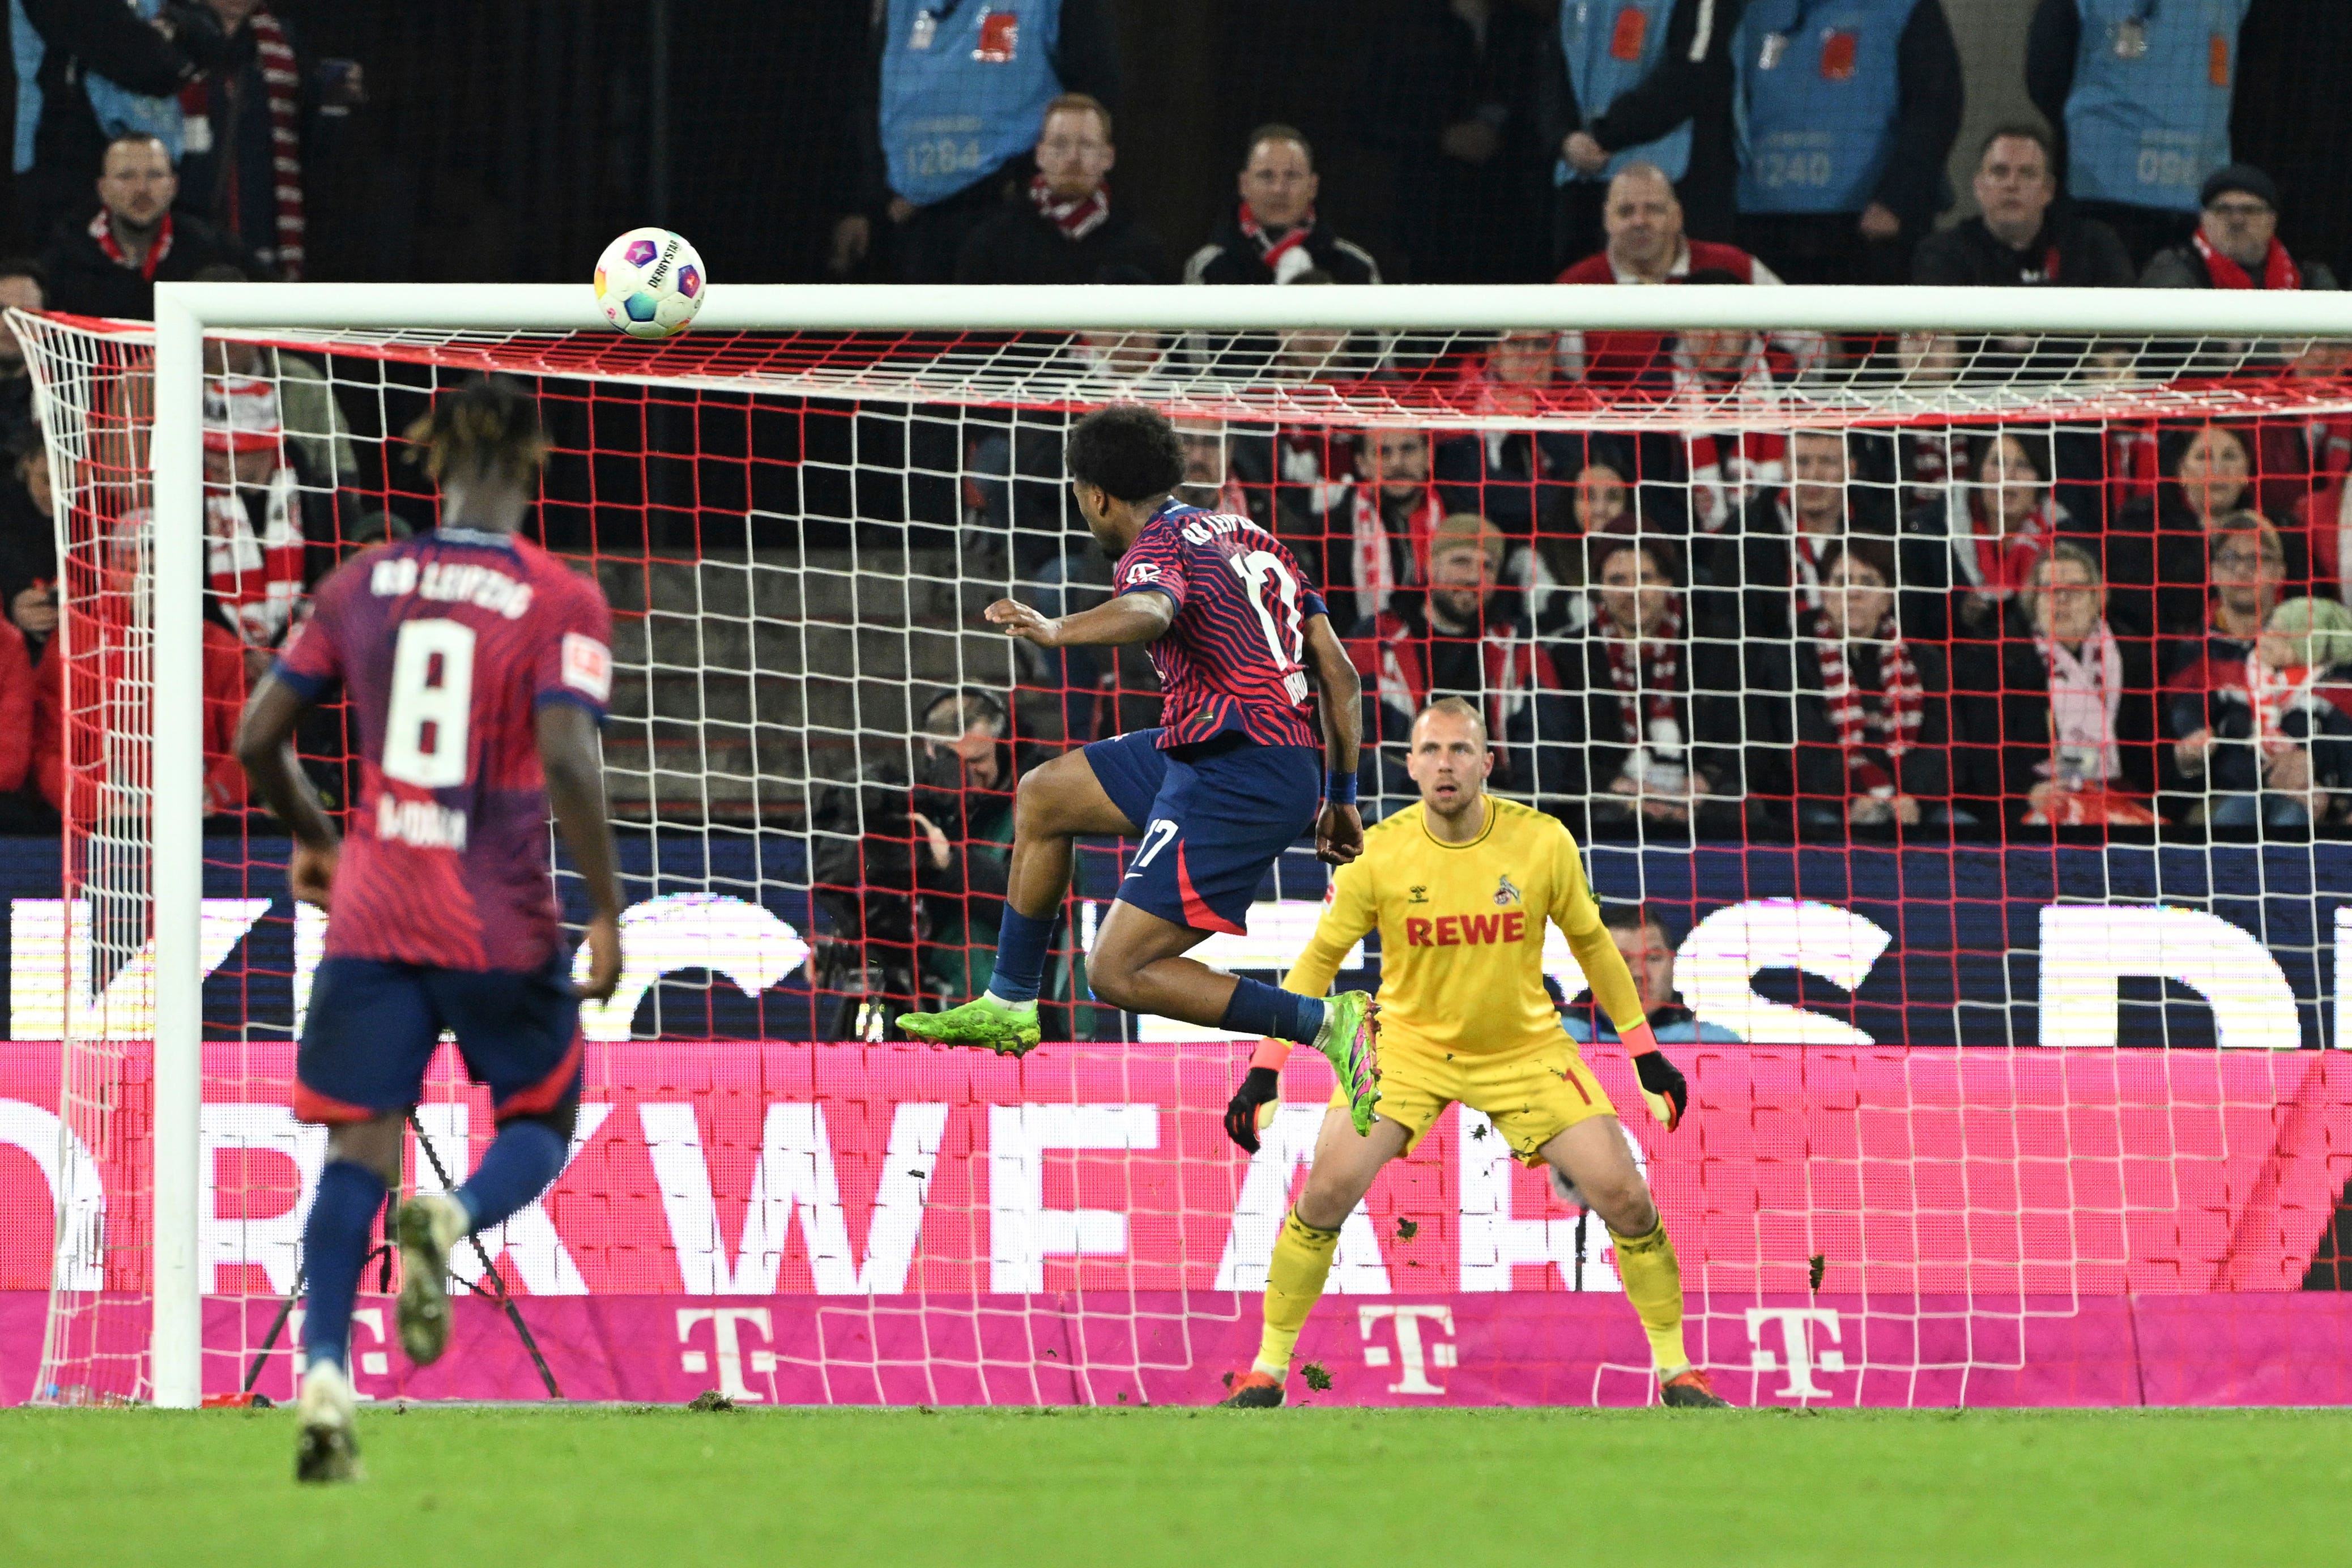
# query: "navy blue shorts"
{"type": "Point", "coordinates": [1213, 818]}
{"type": "Point", "coordinates": [373, 1027]}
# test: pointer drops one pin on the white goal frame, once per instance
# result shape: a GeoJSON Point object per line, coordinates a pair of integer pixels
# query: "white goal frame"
{"type": "Point", "coordinates": [184, 311]}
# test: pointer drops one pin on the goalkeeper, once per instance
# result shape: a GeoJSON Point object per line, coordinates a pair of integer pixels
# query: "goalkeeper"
{"type": "Point", "coordinates": [1459, 888]}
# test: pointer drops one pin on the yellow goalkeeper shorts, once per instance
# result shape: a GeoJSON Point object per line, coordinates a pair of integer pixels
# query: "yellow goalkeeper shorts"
{"type": "Point", "coordinates": [1531, 1096]}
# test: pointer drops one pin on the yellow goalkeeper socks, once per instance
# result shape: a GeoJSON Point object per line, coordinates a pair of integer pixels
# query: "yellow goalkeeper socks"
{"type": "Point", "coordinates": [1294, 1283]}
{"type": "Point", "coordinates": [1654, 1283]}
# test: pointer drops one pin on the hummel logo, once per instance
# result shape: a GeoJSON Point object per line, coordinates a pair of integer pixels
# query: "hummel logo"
{"type": "Point", "coordinates": [1418, 895]}
{"type": "Point", "coordinates": [1506, 890]}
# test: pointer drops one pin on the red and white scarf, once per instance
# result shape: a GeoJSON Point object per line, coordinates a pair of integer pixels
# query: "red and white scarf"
{"type": "Point", "coordinates": [1995, 563]}
{"type": "Point", "coordinates": [2279, 270]}
{"type": "Point", "coordinates": [2273, 693]}
{"type": "Point", "coordinates": [1075, 219]}
{"type": "Point", "coordinates": [1891, 726]}
{"type": "Point", "coordinates": [1647, 675]}
{"type": "Point", "coordinates": [255, 573]}
{"type": "Point", "coordinates": [2086, 693]}
{"type": "Point", "coordinates": [281, 81]}
{"type": "Point", "coordinates": [1279, 253]}
{"type": "Point", "coordinates": [101, 229]}
{"type": "Point", "coordinates": [1376, 582]}
{"type": "Point", "coordinates": [1804, 558]}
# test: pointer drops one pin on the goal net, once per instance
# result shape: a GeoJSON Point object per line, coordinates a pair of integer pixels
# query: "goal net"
{"type": "Point", "coordinates": [1953, 697]}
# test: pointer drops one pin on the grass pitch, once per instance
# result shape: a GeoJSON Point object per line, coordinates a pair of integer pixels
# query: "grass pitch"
{"type": "Point", "coordinates": [1288, 1489]}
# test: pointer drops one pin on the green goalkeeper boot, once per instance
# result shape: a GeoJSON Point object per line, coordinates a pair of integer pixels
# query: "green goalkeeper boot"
{"type": "Point", "coordinates": [1008, 1028]}
{"type": "Point", "coordinates": [1350, 1040]}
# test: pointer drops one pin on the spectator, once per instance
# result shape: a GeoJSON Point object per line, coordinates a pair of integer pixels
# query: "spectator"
{"type": "Point", "coordinates": [2266, 742]}
{"type": "Point", "coordinates": [1771, 563]}
{"type": "Point", "coordinates": [318, 437]}
{"type": "Point", "coordinates": [269, 534]}
{"type": "Point", "coordinates": [1657, 750]}
{"type": "Point", "coordinates": [2076, 746]}
{"type": "Point", "coordinates": [87, 74]}
{"type": "Point", "coordinates": [23, 286]}
{"type": "Point", "coordinates": [1469, 639]}
{"type": "Point", "coordinates": [958, 93]}
{"type": "Point", "coordinates": [1063, 227]}
{"type": "Point", "coordinates": [2158, 549]}
{"type": "Point", "coordinates": [2236, 243]}
{"type": "Point", "coordinates": [1446, 99]}
{"type": "Point", "coordinates": [1846, 131]}
{"type": "Point", "coordinates": [1646, 245]}
{"type": "Point", "coordinates": [1869, 709]}
{"type": "Point", "coordinates": [1519, 481]}
{"type": "Point", "coordinates": [1649, 81]}
{"type": "Point", "coordinates": [111, 267]}
{"type": "Point", "coordinates": [28, 540]}
{"type": "Point", "coordinates": [1392, 513]}
{"type": "Point", "coordinates": [2143, 94]}
{"type": "Point", "coordinates": [1274, 235]}
{"type": "Point", "coordinates": [963, 817]}
{"type": "Point", "coordinates": [2017, 238]}
{"type": "Point", "coordinates": [256, 126]}
{"type": "Point", "coordinates": [1964, 555]}
{"type": "Point", "coordinates": [1648, 949]}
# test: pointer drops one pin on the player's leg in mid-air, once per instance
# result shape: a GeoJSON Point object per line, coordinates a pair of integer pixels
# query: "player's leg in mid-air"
{"type": "Point", "coordinates": [1344, 1167]}
{"type": "Point", "coordinates": [1208, 824]}
{"type": "Point", "coordinates": [371, 1030]}
{"type": "Point", "coordinates": [1592, 1159]}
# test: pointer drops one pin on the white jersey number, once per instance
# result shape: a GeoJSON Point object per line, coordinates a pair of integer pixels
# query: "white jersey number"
{"type": "Point", "coordinates": [432, 709]}
{"type": "Point", "coordinates": [1254, 570]}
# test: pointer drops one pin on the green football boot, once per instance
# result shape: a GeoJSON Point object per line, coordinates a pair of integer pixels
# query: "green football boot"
{"type": "Point", "coordinates": [1008, 1028]}
{"type": "Point", "coordinates": [1350, 1041]}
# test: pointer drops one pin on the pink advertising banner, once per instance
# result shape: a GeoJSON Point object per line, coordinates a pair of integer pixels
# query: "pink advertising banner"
{"type": "Point", "coordinates": [896, 1223]}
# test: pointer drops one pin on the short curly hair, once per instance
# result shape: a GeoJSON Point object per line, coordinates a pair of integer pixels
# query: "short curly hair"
{"type": "Point", "coordinates": [1129, 450]}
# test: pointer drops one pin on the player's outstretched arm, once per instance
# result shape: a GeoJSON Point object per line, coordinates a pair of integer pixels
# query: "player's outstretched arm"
{"type": "Point", "coordinates": [265, 748]}
{"type": "Point", "coordinates": [1136, 617]}
{"type": "Point", "coordinates": [1340, 831]}
{"type": "Point", "coordinates": [573, 761]}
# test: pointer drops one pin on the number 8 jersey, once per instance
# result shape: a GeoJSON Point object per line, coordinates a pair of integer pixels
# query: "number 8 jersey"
{"type": "Point", "coordinates": [446, 646]}
{"type": "Point", "coordinates": [1234, 657]}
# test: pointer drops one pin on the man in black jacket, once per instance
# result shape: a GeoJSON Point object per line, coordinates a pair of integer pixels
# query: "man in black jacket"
{"type": "Point", "coordinates": [1063, 227]}
{"type": "Point", "coordinates": [60, 134]}
{"type": "Point", "coordinates": [2017, 238]}
{"type": "Point", "coordinates": [110, 265]}
{"type": "Point", "coordinates": [1274, 235]}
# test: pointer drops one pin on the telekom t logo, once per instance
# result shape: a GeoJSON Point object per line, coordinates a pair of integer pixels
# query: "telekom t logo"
{"type": "Point", "coordinates": [1409, 1356]}
{"type": "Point", "coordinates": [725, 1326]}
{"type": "Point", "coordinates": [1796, 1340]}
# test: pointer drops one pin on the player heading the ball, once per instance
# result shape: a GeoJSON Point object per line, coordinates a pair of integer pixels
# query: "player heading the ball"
{"type": "Point", "coordinates": [478, 667]}
{"type": "Point", "coordinates": [1235, 773]}
{"type": "Point", "coordinates": [1459, 888]}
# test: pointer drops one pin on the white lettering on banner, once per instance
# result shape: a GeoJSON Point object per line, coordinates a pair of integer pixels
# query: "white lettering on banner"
{"type": "Point", "coordinates": [2086, 949]}
{"type": "Point", "coordinates": [1279, 931]}
{"type": "Point", "coordinates": [271, 1241]}
{"type": "Point", "coordinates": [794, 1176]}
{"type": "Point", "coordinates": [367, 1363]}
{"type": "Point", "coordinates": [1412, 1367]}
{"type": "Point", "coordinates": [1493, 1240]}
{"type": "Point", "coordinates": [1723, 953]}
{"type": "Point", "coordinates": [1796, 1323]}
{"type": "Point", "coordinates": [1023, 1232]}
{"type": "Point", "coordinates": [661, 937]}
{"type": "Point", "coordinates": [1265, 1202]}
{"type": "Point", "coordinates": [541, 1261]}
{"type": "Point", "coordinates": [65, 1164]}
{"type": "Point", "coordinates": [726, 1323]}
{"type": "Point", "coordinates": [50, 968]}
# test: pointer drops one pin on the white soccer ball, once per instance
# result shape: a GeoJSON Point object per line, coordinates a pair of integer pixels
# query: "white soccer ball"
{"type": "Point", "coordinates": [650, 283]}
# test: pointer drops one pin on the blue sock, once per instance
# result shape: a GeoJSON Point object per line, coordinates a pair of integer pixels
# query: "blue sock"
{"type": "Point", "coordinates": [1258, 1008]}
{"type": "Point", "coordinates": [522, 1162]}
{"type": "Point", "coordinates": [1020, 956]}
{"type": "Point", "coordinates": [334, 1249]}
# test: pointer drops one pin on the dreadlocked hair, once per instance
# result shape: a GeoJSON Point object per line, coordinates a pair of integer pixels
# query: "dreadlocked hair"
{"type": "Point", "coordinates": [488, 427]}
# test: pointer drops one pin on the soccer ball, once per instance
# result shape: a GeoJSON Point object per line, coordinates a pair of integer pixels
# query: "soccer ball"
{"type": "Point", "coordinates": [650, 283]}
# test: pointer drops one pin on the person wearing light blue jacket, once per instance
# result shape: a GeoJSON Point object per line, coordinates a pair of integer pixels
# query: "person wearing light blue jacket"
{"type": "Point", "coordinates": [1640, 933]}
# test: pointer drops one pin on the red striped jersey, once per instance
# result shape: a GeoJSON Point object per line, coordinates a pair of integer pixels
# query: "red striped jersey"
{"type": "Point", "coordinates": [1234, 657]}
{"type": "Point", "coordinates": [447, 645]}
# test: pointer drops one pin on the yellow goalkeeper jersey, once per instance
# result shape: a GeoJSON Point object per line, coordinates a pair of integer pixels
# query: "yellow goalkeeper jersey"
{"type": "Point", "coordinates": [1462, 931]}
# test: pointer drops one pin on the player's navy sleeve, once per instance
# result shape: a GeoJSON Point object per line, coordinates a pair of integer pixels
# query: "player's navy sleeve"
{"type": "Point", "coordinates": [576, 661]}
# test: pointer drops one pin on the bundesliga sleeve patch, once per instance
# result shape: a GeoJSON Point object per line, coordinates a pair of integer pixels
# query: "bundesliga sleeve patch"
{"type": "Point", "coordinates": [588, 666]}
{"type": "Point", "coordinates": [1142, 571]}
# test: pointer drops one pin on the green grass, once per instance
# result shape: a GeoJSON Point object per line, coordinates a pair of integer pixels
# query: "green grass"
{"type": "Point", "coordinates": [1291, 1489]}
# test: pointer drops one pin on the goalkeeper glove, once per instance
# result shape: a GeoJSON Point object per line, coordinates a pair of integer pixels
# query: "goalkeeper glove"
{"type": "Point", "coordinates": [1260, 1086]}
{"type": "Point", "coordinates": [1663, 1084]}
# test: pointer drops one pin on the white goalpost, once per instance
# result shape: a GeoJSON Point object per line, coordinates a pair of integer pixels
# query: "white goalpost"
{"type": "Point", "coordinates": [982, 363]}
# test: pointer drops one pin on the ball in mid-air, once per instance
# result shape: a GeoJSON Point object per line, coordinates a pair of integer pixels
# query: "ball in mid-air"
{"type": "Point", "coordinates": [650, 283]}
